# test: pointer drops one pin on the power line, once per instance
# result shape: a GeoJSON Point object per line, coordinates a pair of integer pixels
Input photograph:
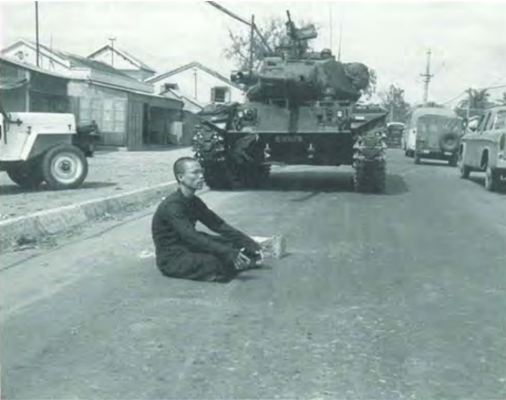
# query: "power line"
{"type": "Point", "coordinates": [455, 98]}
{"type": "Point", "coordinates": [465, 91]}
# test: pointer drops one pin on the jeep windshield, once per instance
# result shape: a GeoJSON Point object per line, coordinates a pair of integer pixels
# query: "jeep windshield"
{"type": "Point", "coordinates": [438, 124]}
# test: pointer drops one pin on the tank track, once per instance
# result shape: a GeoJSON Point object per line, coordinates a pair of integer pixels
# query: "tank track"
{"type": "Point", "coordinates": [221, 171]}
{"type": "Point", "coordinates": [369, 164]}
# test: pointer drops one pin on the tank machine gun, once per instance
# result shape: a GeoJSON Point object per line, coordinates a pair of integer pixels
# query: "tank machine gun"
{"type": "Point", "coordinates": [300, 108]}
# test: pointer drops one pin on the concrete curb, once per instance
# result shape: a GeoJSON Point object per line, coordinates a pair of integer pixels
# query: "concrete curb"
{"type": "Point", "coordinates": [62, 219]}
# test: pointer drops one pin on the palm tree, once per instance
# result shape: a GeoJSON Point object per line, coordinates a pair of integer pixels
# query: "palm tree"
{"type": "Point", "coordinates": [477, 100]}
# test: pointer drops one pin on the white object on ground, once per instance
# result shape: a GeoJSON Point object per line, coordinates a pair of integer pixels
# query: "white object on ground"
{"type": "Point", "coordinates": [272, 246]}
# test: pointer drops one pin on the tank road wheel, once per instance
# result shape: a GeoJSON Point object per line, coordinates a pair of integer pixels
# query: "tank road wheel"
{"type": "Point", "coordinates": [64, 167]}
{"type": "Point", "coordinates": [27, 175]}
{"type": "Point", "coordinates": [254, 175]}
{"type": "Point", "coordinates": [369, 164]}
{"type": "Point", "coordinates": [379, 177]}
{"type": "Point", "coordinates": [370, 176]}
{"type": "Point", "coordinates": [216, 176]}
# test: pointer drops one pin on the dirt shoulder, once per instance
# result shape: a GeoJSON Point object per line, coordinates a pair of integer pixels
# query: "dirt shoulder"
{"type": "Point", "coordinates": [110, 173]}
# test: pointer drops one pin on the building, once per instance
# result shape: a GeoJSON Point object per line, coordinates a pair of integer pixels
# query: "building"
{"type": "Point", "coordinates": [126, 110]}
{"type": "Point", "coordinates": [199, 84]}
{"type": "Point", "coordinates": [27, 88]}
{"type": "Point", "coordinates": [123, 61]}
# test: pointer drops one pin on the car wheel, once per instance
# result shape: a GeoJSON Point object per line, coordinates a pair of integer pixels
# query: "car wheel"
{"type": "Point", "coordinates": [491, 179]}
{"type": "Point", "coordinates": [452, 162]}
{"type": "Point", "coordinates": [417, 158]}
{"type": "Point", "coordinates": [464, 170]}
{"type": "Point", "coordinates": [64, 167]}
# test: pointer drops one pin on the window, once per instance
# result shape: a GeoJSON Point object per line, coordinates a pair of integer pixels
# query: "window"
{"type": "Point", "coordinates": [500, 120]}
{"type": "Point", "coordinates": [483, 122]}
{"type": "Point", "coordinates": [490, 122]}
{"type": "Point", "coordinates": [170, 86]}
{"type": "Point", "coordinates": [219, 94]}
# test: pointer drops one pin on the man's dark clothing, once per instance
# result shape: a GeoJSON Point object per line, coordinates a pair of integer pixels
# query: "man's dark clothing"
{"type": "Point", "coordinates": [184, 252]}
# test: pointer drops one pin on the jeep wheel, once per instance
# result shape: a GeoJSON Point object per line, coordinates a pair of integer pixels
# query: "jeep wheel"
{"type": "Point", "coordinates": [491, 179]}
{"type": "Point", "coordinates": [449, 142]}
{"type": "Point", "coordinates": [452, 162]}
{"type": "Point", "coordinates": [27, 175]}
{"type": "Point", "coordinates": [64, 167]}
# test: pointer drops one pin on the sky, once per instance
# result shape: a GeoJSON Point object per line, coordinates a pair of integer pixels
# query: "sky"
{"type": "Point", "coordinates": [467, 39]}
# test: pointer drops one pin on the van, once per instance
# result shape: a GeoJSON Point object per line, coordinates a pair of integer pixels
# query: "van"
{"type": "Point", "coordinates": [433, 133]}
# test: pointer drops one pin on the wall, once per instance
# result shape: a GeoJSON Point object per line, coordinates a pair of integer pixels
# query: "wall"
{"type": "Point", "coordinates": [29, 55]}
{"type": "Point", "coordinates": [107, 107]}
{"type": "Point", "coordinates": [14, 100]}
{"type": "Point", "coordinates": [190, 120]}
{"type": "Point", "coordinates": [48, 93]}
{"type": "Point", "coordinates": [205, 82]}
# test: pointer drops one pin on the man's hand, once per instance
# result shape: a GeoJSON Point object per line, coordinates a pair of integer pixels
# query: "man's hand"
{"type": "Point", "coordinates": [242, 261]}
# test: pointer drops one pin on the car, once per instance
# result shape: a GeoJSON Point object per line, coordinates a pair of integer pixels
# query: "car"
{"type": "Point", "coordinates": [484, 149]}
{"type": "Point", "coordinates": [433, 133]}
{"type": "Point", "coordinates": [394, 132]}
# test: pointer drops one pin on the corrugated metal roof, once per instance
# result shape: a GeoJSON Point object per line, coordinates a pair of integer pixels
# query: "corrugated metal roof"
{"type": "Point", "coordinates": [31, 67]}
{"type": "Point", "coordinates": [125, 54]}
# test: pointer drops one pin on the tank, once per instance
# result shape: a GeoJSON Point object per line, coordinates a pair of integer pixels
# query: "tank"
{"type": "Point", "coordinates": [300, 108]}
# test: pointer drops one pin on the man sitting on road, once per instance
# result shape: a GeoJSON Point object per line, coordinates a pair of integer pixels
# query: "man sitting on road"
{"type": "Point", "coordinates": [184, 252]}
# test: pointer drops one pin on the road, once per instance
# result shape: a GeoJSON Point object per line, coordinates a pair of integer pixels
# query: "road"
{"type": "Point", "coordinates": [393, 296]}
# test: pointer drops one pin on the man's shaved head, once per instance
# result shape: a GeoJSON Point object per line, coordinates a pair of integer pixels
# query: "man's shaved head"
{"type": "Point", "coordinates": [180, 165]}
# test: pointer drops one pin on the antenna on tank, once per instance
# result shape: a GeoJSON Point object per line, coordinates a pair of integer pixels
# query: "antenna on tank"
{"type": "Point", "coordinates": [330, 25]}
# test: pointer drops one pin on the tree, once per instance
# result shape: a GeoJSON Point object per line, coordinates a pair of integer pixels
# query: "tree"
{"type": "Point", "coordinates": [393, 100]}
{"type": "Point", "coordinates": [239, 49]}
{"type": "Point", "coordinates": [475, 103]}
{"type": "Point", "coordinates": [371, 88]}
{"type": "Point", "coordinates": [502, 101]}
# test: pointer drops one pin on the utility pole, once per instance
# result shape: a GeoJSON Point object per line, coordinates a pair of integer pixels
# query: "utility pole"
{"type": "Point", "coordinates": [340, 37]}
{"type": "Point", "coordinates": [195, 83]}
{"type": "Point", "coordinates": [37, 51]}
{"type": "Point", "coordinates": [468, 111]}
{"type": "Point", "coordinates": [392, 90]}
{"type": "Point", "coordinates": [427, 77]}
{"type": "Point", "coordinates": [330, 25]}
{"type": "Point", "coordinates": [112, 40]}
{"type": "Point", "coordinates": [251, 38]}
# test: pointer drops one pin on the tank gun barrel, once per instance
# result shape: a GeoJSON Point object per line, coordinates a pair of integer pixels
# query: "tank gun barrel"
{"type": "Point", "coordinates": [244, 77]}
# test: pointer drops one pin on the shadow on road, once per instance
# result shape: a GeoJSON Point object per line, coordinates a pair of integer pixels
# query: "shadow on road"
{"type": "Point", "coordinates": [325, 182]}
{"type": "Point", "coordinates": [481, 182]}
{"type": "Point", "coordinates": [14, 189]}
{"type": "Point", "coordinates": [435, 163]}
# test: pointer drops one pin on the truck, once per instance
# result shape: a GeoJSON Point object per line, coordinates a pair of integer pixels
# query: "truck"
{"type": "Point", "coordinates": [40, 147]}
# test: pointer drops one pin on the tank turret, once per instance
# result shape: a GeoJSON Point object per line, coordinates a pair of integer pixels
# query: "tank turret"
{"type": "Point", "coordinates": [300, 76]}
{"type": "Point", "coordinates": [301, 108]}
